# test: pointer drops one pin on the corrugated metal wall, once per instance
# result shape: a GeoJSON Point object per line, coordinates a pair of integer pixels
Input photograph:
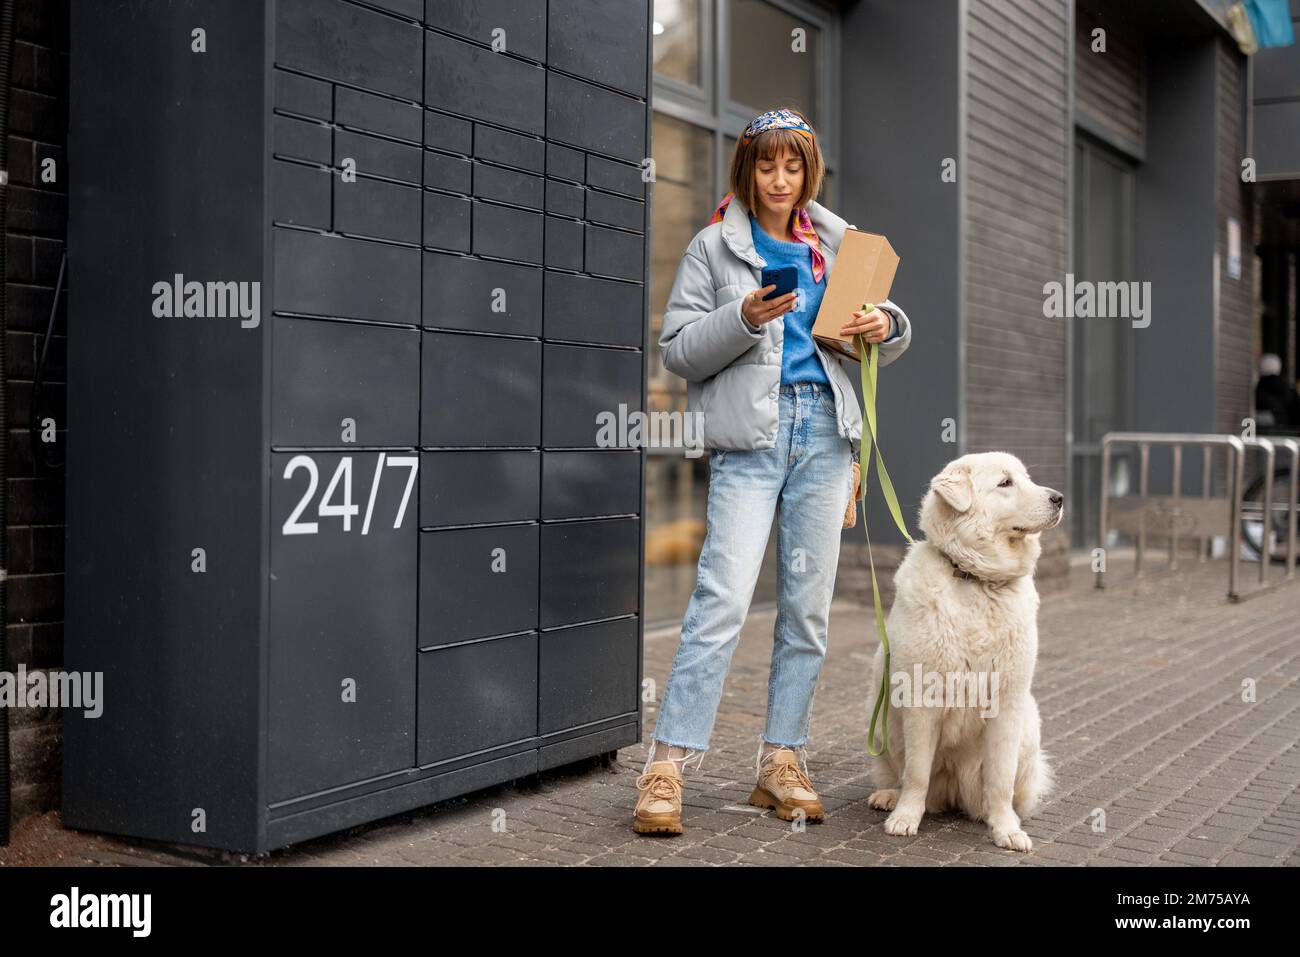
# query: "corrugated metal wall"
{"type": "Point", "coordinates": [1237, 324]}
{"type": "Point", "coordinates": [1017, 220]}
{"type": "Point", "coordinates": [1109, 89]}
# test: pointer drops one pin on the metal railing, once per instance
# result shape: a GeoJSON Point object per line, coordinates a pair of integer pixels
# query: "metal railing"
{"type": "Point", "coordinates": [1267, 507]}
{"type": "Point", "coordinates": [1204, 517]}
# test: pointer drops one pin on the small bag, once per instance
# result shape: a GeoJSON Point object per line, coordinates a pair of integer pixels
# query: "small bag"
{"type": "Point", "coordinates": [851, 513]}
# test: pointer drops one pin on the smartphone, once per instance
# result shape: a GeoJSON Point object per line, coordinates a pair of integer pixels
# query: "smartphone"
{"type": "Point", "coordinates": [785, 277]}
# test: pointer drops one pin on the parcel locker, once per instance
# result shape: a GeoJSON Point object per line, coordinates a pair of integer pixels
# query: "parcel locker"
{"type": "Point", "coordinates": [353, 292]}
{"type": "Point", "coordinates": [477, 582]}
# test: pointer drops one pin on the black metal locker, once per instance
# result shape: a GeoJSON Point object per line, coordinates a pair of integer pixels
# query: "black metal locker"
{"type": "Point", "coordinates": [361, 545]}
{"type": "Point", "coordinates": [342, 613]}
{"type": "Point", "coordinates": [325, 374]}
{"type": "Point", "coordinates": [477, 582]}
{"type": "Point", "coordinates": [585, 674]}
{"type": "Point", "coordinates": [477, 695]}
{"type": "Point", "coordinates": [464, 487]}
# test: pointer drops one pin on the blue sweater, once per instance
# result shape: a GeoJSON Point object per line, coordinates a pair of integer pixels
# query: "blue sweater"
{"type": "Point", "coordinates": [799, 362]}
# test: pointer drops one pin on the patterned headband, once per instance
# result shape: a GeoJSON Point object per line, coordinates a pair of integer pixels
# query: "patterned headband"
{"type": "Point", "coordinates": [775, 120]}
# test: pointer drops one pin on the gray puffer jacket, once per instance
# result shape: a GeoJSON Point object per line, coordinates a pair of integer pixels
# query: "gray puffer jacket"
{"type": "Point", "coordinates": [733, 370]}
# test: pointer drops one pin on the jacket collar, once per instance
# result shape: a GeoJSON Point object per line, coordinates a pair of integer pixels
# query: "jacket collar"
{"type": "Point", "coordinates": [737, 234]}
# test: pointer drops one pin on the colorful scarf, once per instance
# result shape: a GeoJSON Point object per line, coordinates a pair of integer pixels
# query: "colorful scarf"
{"type": "Point", "coordinates": [803, 227]}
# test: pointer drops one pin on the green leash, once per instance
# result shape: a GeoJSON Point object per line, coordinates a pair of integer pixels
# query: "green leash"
{"type": "Point", "coordinates": [869, 361]}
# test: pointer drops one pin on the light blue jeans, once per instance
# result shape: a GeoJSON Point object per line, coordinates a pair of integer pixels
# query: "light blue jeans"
{"type": "Point", "coordinates": [806, 481]}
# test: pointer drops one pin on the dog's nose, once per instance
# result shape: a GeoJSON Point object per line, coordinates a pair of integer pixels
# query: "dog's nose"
{"type": "Point", "coordinates": [1056, 498]}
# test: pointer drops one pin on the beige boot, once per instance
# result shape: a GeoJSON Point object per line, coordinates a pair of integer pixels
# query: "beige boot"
{"type": "Point", "coordinates": [659, 807]}
{"type": "Point", "coordinates": [784, 786]}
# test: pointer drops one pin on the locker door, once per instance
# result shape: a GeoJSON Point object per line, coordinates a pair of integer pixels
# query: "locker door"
{"type": "Point", "coordinates": [342, 617]}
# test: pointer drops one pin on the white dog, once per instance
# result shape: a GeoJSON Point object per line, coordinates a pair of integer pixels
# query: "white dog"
{"type": "Point", "coordinates": [965, 605]}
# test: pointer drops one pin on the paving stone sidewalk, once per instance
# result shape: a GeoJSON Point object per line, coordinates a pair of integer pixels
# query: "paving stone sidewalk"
{"type": "Point", "coordinates": [1141, 695]}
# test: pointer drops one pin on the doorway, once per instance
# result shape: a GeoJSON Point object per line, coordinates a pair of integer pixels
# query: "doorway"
{"type": "Point", "coordinates": [1102, 358]}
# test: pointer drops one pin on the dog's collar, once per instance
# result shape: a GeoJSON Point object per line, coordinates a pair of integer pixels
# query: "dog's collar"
{"type": "Point", "coordinates": [959, 572]}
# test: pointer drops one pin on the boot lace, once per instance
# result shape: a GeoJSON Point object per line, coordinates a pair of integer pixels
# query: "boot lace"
{"type": "Point", "coordinates": [661, 785]}
{"type": "Point", "coordinates": [792, 776]}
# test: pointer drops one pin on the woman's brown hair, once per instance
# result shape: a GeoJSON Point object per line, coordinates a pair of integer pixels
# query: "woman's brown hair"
{"type": "Point", "coordinates": [769, 146]}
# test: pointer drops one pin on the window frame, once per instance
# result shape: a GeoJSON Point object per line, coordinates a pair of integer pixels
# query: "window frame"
{"type": "Point", "coordinates": [711, 106]}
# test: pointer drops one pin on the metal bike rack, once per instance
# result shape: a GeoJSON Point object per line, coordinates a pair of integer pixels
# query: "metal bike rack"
{"type": "Point", "coordinates": [1176, 515]}
{"type": "Point", "coordinates": [1269, 447]}
{"type": "Point", "coordinates": [1270, 456]}
{"type": "Point", "coordinates": [1293, 503]}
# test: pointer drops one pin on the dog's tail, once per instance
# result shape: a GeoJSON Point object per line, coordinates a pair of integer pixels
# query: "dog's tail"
{"type": "Point", "coordinates": [1035, 780]}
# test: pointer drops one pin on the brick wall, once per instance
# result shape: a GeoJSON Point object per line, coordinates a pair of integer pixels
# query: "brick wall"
{"type": "Point", "coordinates": [37, 224]}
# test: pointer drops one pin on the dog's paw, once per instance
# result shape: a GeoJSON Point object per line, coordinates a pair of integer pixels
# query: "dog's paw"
{"type": "Point", "coordinates": [883, 800]}
{"type": "Point", "coordinates": [902, 822]}
{"type": "Point", "coordinates": [1016, 840]}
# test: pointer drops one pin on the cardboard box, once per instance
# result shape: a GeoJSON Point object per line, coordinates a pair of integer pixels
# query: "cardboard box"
{"type": "Point", "coordinates": [863, 272]}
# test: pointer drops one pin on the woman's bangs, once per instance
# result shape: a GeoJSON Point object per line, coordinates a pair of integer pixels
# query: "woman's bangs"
{"type": "Point", "coordinates": [773, 143]}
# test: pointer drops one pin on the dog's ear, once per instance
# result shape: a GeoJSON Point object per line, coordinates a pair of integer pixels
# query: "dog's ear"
{"type": "Point", "coordinates": [953, 485]}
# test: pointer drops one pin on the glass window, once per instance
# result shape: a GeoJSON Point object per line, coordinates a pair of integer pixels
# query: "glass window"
{"type": "Point", "coordinates": [676, 486]}
{"type": "Point", "coordinates": [684, 194]}
{"type": "Point", "coordinates": [677, 40]}
{"type": "Point", "coordinates": [772, 64]}
{"type": "Point", "coordinates": [692, 150]}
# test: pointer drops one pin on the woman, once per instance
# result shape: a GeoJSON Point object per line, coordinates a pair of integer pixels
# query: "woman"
{"type": "Point", "coordinates": [782, 420]}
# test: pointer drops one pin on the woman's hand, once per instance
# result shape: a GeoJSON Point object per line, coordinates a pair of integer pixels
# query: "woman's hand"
{"type": "Point", "coordinates": [874, 325]}
{"type": "Point", "coordinates": [757, 312]}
